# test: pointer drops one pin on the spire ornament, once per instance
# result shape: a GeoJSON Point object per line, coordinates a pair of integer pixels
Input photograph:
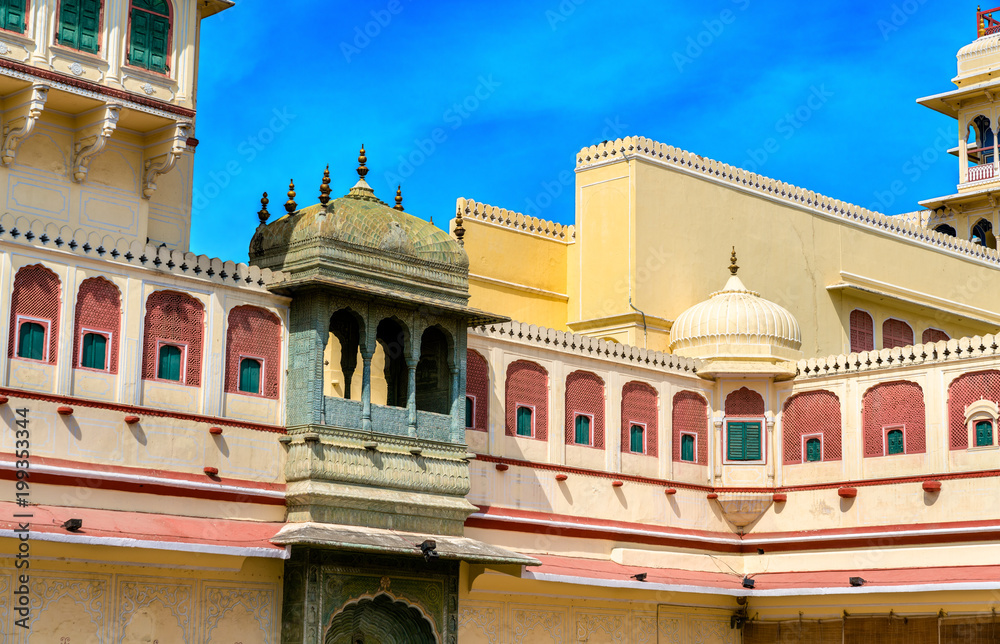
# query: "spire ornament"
{"type": "Point", "coordinates": [733, 267]}
{"type": "Point", "coordinates": [399, 199]}
{"type": "Point", "coordinates": [290, 205]}
{"type": "Point", "coordinates": [362, 160]}
{"type": "Point", "coordinates": [263, 214]}
{"type": "Point", "coordinates": [361, 190]}
{"type": "Point", "coordinates": [324, 188]}
{"type": "Point", "coordinates": [459, 228]}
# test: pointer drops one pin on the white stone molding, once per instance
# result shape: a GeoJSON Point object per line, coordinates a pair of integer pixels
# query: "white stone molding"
{"type": "Point", "coordinates": [92, 140]}
{"type": "Point", "coordinates": [22, 123]}
{"type": "Point", "coordinates": [164, 163]}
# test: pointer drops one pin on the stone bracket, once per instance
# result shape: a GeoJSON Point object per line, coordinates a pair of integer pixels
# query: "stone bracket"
{"type": "Point", "coordinates": [164, 163]}
{"type": "Point", "coordinates": [91, 141]}
{"type": "Point", "coordinates": [22, 123]}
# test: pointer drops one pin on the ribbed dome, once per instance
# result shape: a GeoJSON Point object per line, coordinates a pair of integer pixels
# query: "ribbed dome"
{"type": "Point", "coordinates": [986, 44]}
{"type": "Point", "coordinates": [736, 322]}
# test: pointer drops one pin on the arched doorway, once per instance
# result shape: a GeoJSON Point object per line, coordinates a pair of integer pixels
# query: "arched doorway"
{"type": "Point", "coordinates": [381, 620]}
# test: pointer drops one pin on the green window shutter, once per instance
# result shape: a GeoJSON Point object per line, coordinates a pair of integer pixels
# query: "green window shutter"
{"type": "Point", "coordinates": [159, 45]}
{"type": "Point", "coordinates": [138, 51]}
{"type": "Point", "coordinates": [636, 442]}
{"type": "Point", "coordinates": [170, 363]}
{"type": "Point", "coordinates": [895, 440]}
{"type": "Point", "coordinates": [250, 376]}
{"type": "Point", "coordinates": [32, 341]}
{"type": "Point", "coordinates": [470, 407]}
{"type": "Point", "coordinates": [814, 450]}
{"type": "Point", "coordinates": [751, 449]}
{"type": "Point", "coordinates": [984, 433]}
{"type": "Point", "coordinates": [69, 23]}
{"type": "Point", "coordinates": [736, 442]}
{"type": "Point", "coordinates": [12, 15]}
{"type": "Point", "coordinates": [90, 24]}
{"type": "Point", "coordinates": [687, 448]}
{"type": "Point", "coordinates": [523, 421]}
{"type": "Point", "coordinates": [94, 351]}
{"type": "Point", "coordinates": [583, 430]}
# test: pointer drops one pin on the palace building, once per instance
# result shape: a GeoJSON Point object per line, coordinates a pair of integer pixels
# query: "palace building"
{"type": "Point", "coordinates": [376, 430]}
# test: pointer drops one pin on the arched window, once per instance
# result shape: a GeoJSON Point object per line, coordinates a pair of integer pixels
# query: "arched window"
{"type": "Point", "coordinates": [35, 301]}
{"type": "Point", "coordinates": [470, 412]}
{"type": "Point", "coordinates": [984, 433]}
{"type": "Point", "coordinates": [967, 389]}
{"type": "Point", "coordinates": [80, 24]}
{"type": "Point", "coordinates": [477, 387]}
{"type": "Point", "coordinates": [585, 408]}
{"type": "Point", "coordinates": [341, 355]}
{"type": "Point", "coordinates": [253, 351]}
{"type": "Point", "coordinates": [173, 319]}
{"type": "Point", "coordinates": [744, 402]}
{"type": "Point", "coordinates": [934, 335]}
{"type": "Point", "coordinates": [639, 408]}
{"type": "Point", "coordinates": [814, 450]}
{"type": "Point", "coordinates": [13, 15]}
{"type": "Point", "coordinates": [862, 331]}
{"type": "Point", "coordinates": [96, 327]}
{"type": "Point", "coordinates": [980, 143]}
{"type": "Point", "coordinates": [637, 440]}
{"type": "Point", "coordinates": [690, 428]}
{"type": "Point", "coordinates": [149, 42]}
{"type": "Point", "coordinates": [982, 234]}
{"type": "Point", "coordinates": [393, 340]}
{"type": "Point", "coordinates": [169, 362]}
{"type": "Point", "coordinates": [807, 416]}
{"type": "Point", "coordinates": [892, 406]}
{"type": "Point", "coordinates": [687, 448]}
{"type": "Point", "coordinates": [896, 333]}
{"type": "Point", "coordinates": [527, 400]}
{"type": "Point", "coordinates": [434, 372]}
{"type": "Point", "coordinates": [31, 341]}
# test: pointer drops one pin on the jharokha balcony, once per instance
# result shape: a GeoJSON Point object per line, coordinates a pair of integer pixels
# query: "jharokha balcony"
{"type": "Point", "coordinates": [982, 172]}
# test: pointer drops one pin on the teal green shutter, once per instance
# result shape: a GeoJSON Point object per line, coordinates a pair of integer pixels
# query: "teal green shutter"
{"type": "Point", "coordinates": [814, 450]}
{"type": "Point", "coordinates": [895, 440]}
{"type": "Point", "coordinates": [32, 341]}
{"type": "Point", "coordinates": [12, 15]}
{"type": "Point", "coordinates": [94, 351]}
{"type": "Point", "coordinates": [736, 439]}
{"type": "Point", "coordinates": [90, 24]}
{"type": "Point", "coordinates": [583, 430]}
{"type": "Point", "coordinates": [69, 23]}
{"type": "Point", "coordinates": [250, 376]}
{"type": "Point", "coordinates": [138, 51]}
{"type": "Point", "coordinates": [170, 363]}
{"type": "Point", "coordinates": [470, 407]}
{"type": "Point", "coordinates": [636, 439]}
{"type": "Point", "coordinates": [523, 421]}
{"type": "Point", "coordinates": [687, 448]}
{"type": "Point", "coordinates": [159, 35]}
{"type": "Point", "coordinates": [984, 433]}
{"type": "Point", "coordinates": [751, 445]}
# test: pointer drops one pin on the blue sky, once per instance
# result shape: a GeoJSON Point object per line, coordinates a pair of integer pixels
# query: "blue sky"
{"type": "Point", "coordinates": [492, 102]}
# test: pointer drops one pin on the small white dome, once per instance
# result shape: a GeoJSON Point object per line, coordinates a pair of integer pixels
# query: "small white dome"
{"type": "Point", "coordinates": [736, 322]}
{"type": "Point", "coordinates": [984, 45]}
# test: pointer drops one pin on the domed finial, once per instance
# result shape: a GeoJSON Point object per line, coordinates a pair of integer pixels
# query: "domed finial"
{"type": "Point", "coordinates": [290, 205]}
{"type": "Point", "coordinates": [399, 199]}
{"type": "Point", "coordinates": [362, 160]}
{"type": "Point", "coordinates": [733, 268]}
{"type": "Point", "coordinates": [263, 214]}
{"type": "Point", "coordinates": [324, 188]}
{"type": "Point", "coordinates": [459, 228]}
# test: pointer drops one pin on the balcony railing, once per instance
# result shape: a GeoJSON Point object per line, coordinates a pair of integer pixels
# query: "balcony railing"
{"type": "Point", "coordinates": [986, 24]}
{"type": "Point", "coordinates": [980, 172]}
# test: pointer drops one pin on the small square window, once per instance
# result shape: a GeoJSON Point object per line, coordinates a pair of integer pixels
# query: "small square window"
{"type": "Point", "coordinates": [31, 341]}
{"type": "Point", "coordinates": [169, 359]}
{"type": "Point", "coordinates": [525, 422]}
{"type": "Point", "coordinates": [582, 434]}
{"type": "Point", "coordinates": [250, 369]}
{"type": "Point", "coordinates": [637, 439]}
{"type": "Point", "coordinates": [984, 433]}
{"type": "Point", "coordinates": [687, 448]}
{"type": "Point", "coordinates": [94, 350]}
{"type": "Point", "coordinates": [894, 441]}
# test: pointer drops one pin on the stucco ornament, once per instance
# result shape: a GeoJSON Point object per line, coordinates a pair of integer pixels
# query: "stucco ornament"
{"type": "Point", "coordinates": [76, 69]}
{"type": "Point", "coordinates": [149, 89]}
{"type": "Point", "coordinates": [4, 48]}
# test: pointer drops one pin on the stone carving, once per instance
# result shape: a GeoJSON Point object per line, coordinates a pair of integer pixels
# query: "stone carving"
{"type": "Point", "coordinates": [484, 619]}
{"type": "Point", "coordinates": [149, 89]}
{"type": "Point", "coordinates": [705, 631]}
{"type": "Point", "coordinates": [90, 594]}
{"type": "Point", "coordinates": [526, 621]}
{"type": "Point", "coordinates": [671, 630]}
{"type": "Point", "coordinates": [590, 624]}
{"type": "Point", "coordinates": [4, 48]}
{"type": "Point", "coordinates": [25, 118]}
{"type": "Point", "coordinates": [643, 628]}
{"type": "Point", "coordinates": [164, 163]}
{"type": "Point", "coordinates": [92, 141]}
{"type": "Point", "coordinates": [259, 602]}
{"type": "Point", "coordinates": [76, 68]}
{"type": "Point", "coordinates": [135, 595]}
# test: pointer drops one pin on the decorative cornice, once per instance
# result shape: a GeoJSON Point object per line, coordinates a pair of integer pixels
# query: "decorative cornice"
{"type": "Point", "coordinates": [570, 342]}
{"type": "Point", "coordinates": [635, 147]}
{"type": "Point", "coordinates": [470, 209]}
{"type": "Point", "coordinates": [915, 355]}
{"type": "Point", "coordinates": [92, 90]}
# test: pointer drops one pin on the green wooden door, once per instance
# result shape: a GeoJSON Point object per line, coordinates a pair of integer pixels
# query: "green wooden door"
{"type": "Point", "coordinates": [687, 448]}
{"type": "Point", "coordinates": [814, 451]}
{"type": "Point", "coordinates": [895, 441]}
{"type": "Point", "coordinates": [523, 421]}
{"type": "Point", "coordinates": [636, 442]}
{"type": "Point", "coordinates": [31, 344]}
{"type": "Point", "coordinates": [94, 351]}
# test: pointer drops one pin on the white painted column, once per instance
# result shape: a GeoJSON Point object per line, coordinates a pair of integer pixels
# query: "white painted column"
{"type": "Point", "coordinates": [67, 328]}
{"type": "Point", "coordinates": [715, 450]}
{"type": "Point", "coordinates": [7, 279]}
{"type": "Point", "coordinates": [557, 412]}
{"type": "Point", "coordinates": [496, 424]}
{"type": "Point", "coordinates": [963, 159]}
{"type": "Point", "coordinates": [664, 407]}
{"type": "Point", "coordinates": [613, 421]}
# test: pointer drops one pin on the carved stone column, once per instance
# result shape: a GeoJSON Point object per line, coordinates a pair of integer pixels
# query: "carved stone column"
{"type": "Point", "coordinates": [366, 389]}
{"type": "Point", "coordinates": [457, 409]}
{"type": "Point", "coordinates": [411, 397]}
